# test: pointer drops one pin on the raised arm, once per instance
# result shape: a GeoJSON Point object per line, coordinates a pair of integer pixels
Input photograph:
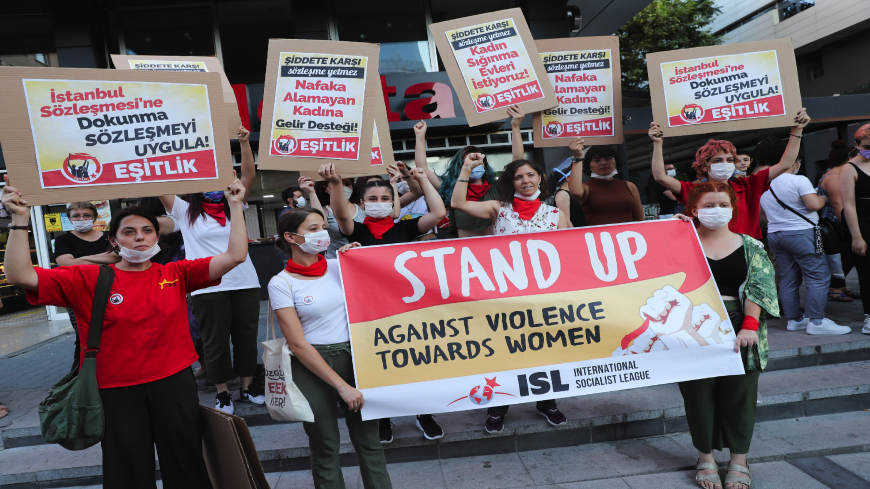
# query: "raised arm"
{"type": "Point", "coordinates": [848, 178]}
{"type": "Point", "coordinates": [793, 147]}
{"type": "Point", "coordinates": [414, 187]}
{"type": "Point", "coordinates": [658, 162]}
{"type": "Point", "coordinates": [420, 153]}
{"type": "Point", "coordinates": [337, 199]}
{"type": "Point", "coordinates": [576, 186]}
{"type": "Point", "coordinates": [237, 247]}
{"type": "Point", "coordinates": [433, 200]}
{"type": "Point", "coordinates": [249, 169]}
{"type": "Point", "coordinates": [517, 114]}
{"type": "Point", "coordinates": [168, 202]}
{"type": "Point", "coordinates": [18, 267]}
{"type": "Point", "coordinates": [307, 186]}
{"type": "Point", "coordinates": [459, 202]}
{"type": "Point", "coordinates": [395, 175]}
{"type": "Point", "coordinates": [288, 321]}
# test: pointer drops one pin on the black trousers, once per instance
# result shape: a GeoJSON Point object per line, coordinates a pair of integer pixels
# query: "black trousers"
{"type": "Point", "coordinates": [540, 406]}
{"type": "Point", "coordinates": [165, 414]}
{"type": "Point", "coordinates": [862, 263]}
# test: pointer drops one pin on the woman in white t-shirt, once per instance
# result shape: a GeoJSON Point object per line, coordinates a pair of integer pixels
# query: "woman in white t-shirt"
{"type": "Point", "coordinates": [229, 311]}
{"type": "Point", "coordinates": [790, 206]}
{"type": "Point", "coordinates": [308, 299]}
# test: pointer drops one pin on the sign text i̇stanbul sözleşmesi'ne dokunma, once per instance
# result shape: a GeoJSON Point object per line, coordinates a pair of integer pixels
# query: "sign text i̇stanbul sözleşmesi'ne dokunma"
{"type": "Point", "coordinates": [519, 318]}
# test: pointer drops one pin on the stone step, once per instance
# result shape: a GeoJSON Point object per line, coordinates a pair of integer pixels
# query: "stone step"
{"type": "Point", "coordinates": [623, 415]}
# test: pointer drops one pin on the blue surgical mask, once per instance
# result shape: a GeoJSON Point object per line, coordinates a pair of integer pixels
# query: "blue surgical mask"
{"type": "Point", "coordinates": [477, 172]}
{"type": "Point", "coordinates": [213, 196]}
{"type": "Point", "coordinates": [864, 152]}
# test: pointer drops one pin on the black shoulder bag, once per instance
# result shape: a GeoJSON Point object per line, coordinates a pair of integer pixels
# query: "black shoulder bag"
{"type": "Point", "coordinates": [827, 239]}
{"type": "Point", "coordinates": [72, 414]}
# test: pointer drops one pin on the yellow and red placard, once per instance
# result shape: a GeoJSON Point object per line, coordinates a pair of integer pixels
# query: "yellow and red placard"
{"type": "Point", "coordinates": [583, 81]}
{"type": "Point", "coordinates": [318, 110]}
{"type": "Point", "coordinates": [92, 133]}
{"type": "Point", "coordinates": [519, 318]}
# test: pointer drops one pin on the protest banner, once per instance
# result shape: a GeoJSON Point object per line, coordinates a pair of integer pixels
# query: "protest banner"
{"type": "Point", "coordinates": [321, 98]}
{"type": "Point", "coordinates": [200, 64]}
{"type": "Point", "coordinates": [70, 135]}
{"type": "Point", "coordinates": [520, 318]}
{"type": "Point", "coordinates": [731, 87]}
{"type": "Point", "coordinates": [585, 75]}
{"type": "Point", "coordinates": [493, 56]}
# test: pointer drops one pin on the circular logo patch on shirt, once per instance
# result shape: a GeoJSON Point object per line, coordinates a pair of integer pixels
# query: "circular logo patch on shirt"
{"type": "Point", "coordinates": [308, 300]}
{"type": "Point", "coordinates": [116, 299]}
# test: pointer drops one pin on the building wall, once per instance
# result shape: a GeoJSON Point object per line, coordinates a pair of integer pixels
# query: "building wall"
{"type": "Point", "coordinates": [844, 64]}
{"type": "Point", "coordinates": [734, 10]}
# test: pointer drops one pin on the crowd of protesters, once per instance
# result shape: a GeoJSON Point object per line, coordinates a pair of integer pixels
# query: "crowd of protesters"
{"type": "Point", "coordinates": [757, 219]}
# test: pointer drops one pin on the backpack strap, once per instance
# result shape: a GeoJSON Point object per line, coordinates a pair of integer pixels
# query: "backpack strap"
{"type": "Point", "coordinates": [98, 311]}
{"type": "Point", "coordinates": [789, 208]}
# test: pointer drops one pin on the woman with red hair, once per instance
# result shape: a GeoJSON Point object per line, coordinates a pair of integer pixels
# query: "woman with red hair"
{"type": "Point", "coordinates": [855, 194]}
{"type": "Point", "coordinates": [720, 411]}
{"type": "Point", "coordinates": [715, 162]}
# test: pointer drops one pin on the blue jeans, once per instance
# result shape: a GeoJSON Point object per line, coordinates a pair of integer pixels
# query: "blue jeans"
{"type": "Point", "coordinates": [796, 258]}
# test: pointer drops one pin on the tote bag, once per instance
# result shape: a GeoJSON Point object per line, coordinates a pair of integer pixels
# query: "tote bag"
{"type": "Point", "coordinates": [284, 400]}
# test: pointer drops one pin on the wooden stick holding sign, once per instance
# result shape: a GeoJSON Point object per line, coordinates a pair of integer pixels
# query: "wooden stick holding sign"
{"type": "Point", "coordinates": [493, 63]}
{"type": "Point", "coordinates": [732, 87]}
{"type": "Point", "coordinates": [585, 74]}
{"type": "Point", "coordinates": [81, 134]}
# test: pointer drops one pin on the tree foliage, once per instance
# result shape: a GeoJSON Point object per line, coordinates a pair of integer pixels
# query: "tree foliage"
{"type": "Point", "coordinates": [663, 25]}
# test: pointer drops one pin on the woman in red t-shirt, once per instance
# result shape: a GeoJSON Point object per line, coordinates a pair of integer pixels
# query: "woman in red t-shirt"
{"type": "Point", "coordinates": [715, 162]}
{"type": "Point", "coordinates": [143, 365]}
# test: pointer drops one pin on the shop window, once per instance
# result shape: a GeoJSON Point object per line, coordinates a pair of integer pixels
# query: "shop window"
{"type": "Point", "coordinates": [399, 27]}
{"type": "Point", "coordinates": [168, 32]}
{"type": "Point", "coordinates": [27, 40]}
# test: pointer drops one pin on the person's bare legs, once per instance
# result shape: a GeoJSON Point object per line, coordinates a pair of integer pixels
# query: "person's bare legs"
{"type": "Point", "coordinates": [708, 458]}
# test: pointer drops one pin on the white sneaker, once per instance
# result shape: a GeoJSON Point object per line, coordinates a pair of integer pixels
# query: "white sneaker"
{"type": "Point", "coordinates": [797, 325]}
{"type": "Point", "coordinates": [828, 327]}
{"type": "Point", "coordinates": [223, 401]}
{"type": "Point", "coordinates": [866, 328]}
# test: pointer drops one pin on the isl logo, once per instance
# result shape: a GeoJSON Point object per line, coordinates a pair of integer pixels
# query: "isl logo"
{"type": "Point", "coordinates": [692, 113]}
{"type": "Point", "coordinates": [285, 144]}
{"type": "Point", "coordinates": [482, 394]}
{"type": "Point", "coordinates": [485, 101]}
{"type": "Point", "coordinates": [81, 168]}
{"type": "Point", "coordinates": [555, 129]}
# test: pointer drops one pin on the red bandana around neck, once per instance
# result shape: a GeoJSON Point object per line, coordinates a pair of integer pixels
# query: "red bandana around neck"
{"type": "Point", "coordinates": [476, 192]}
{"type": "Point", "coordinates": [216, 210]}
{"type": "Point", "coordinates": [378, 226]}
{"type": "Point", "coordinates": [526, 208]}
{"type": "Point", "coordinates": [315, 270]}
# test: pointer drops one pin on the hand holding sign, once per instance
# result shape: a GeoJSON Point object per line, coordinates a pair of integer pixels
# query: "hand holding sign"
{"type": "Point", "coordinates": [12, 200]}
{"type": "Point", "coordinates": [577, 148]}
{"type": "Point", "coordinates": [802, 119]}
{"type": "Point", "coordinates": [328, 174]}
{"type": "Point", "coordinates": [655, 132]}
{"type": "Point", "coordinates": [517, 114]}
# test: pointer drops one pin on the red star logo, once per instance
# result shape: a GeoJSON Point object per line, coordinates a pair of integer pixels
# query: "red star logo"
{"type": "Point", "coordinates": [673, 303]}
{"type": "Point", "coordinates": [491, 383]}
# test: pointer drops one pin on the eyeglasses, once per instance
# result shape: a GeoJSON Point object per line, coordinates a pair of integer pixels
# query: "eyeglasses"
{"type": "Point", "coordinates": [606, 159]}
{"type": "Point", "coordinates": [81, 217]}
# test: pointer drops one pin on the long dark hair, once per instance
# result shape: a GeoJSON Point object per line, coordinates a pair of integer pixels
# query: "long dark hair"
{"type": "Point", "coordinates": [133, 210]}
{"type": "Point", "coordinates": [195, 211]}
{"type": "Point", "coordinates": [290, 221]}
{"type": "Point", "coordinates": [839, 153]}
{"type": "Point", "coordinates": [598, 151]}
{"type": "Point", "coordinates": [454, 167]}
{"type": "Point", "coordinates": [505, 184]}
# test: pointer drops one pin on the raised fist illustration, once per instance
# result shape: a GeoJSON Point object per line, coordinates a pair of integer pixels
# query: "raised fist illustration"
{"type": "Point", "coordinates": [668, 311]}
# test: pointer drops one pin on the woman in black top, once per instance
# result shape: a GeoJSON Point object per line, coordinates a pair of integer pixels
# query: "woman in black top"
{"type": "Point", "coordinates": [855, 194]}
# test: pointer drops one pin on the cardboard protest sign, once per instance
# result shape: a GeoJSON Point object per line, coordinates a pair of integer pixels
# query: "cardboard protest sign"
{"type": "Point", "coordinates": [321, 98]}
{"type": "Point", "coordinates": [492, 62]}
{"type": "Point", "coordinates": [77, 134]}
{"type": "Point", "coordinates": [585, 74]}
{"type": "Point", "coordinates": [200, 64]}
{"type": "Point", "coordinates": [731, 87]}
{"type": "Point", "coordinates": [520, 318]}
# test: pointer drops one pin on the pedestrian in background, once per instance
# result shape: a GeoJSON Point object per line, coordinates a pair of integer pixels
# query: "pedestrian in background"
{"type": "Point", "coordinates": [855, 195]}
{"type": "Point", "coordinates": [829, 186]}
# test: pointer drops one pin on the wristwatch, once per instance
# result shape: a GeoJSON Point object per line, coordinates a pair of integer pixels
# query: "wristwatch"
{"type": "Point", "coordinates": [575, 159]}
{"type": "Point", "coordinates": [21, 228]}
{"type": "Point", "coordinates": [465, 180]}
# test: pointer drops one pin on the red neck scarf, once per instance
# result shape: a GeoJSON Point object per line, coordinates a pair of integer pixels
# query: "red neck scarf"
{"type": "Point", "coordinates": [476, 192]}
{"type": "Point", "coordinates": [216, 210]}
{"type": "Point", "coordinates": [526, 208]}
{"type": "Point", "coordinates": [315, 270]}
{"type": "Point", "coordinates": [379, 226]}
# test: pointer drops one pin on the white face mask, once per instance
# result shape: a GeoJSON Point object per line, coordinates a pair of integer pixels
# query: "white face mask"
{"type": "Point", "coordinates": [403, 188]}
{"type": "Point", "coordinates": [671, 172]}
{"type": "Point", "coordinates": [714, 217]}
{"type": "Point", "coordinates": [348, 192]}
{"type": "Point", "coordinates": [137, 256]}
{"type": "Point", "coordinates": [315, 243]}
{"type": "Point", "coordinates": [300, 202]}
{"type": "Point", "coordinates": [83, 226]}
{"type": "Point", "coordinates": [378, 210]}
{"type": "Point", "coordinates": [605, 177]}
{"type": "Point", "coordinates": [531, 197]}
{"type": "Point", "coordinates": [721, 171]}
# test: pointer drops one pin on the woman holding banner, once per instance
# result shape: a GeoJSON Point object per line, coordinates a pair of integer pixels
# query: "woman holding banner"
{"type": "Point", "coordinates": [481, 183]}
{"type": "Point", "coordinates": [720, 411]}
{"type": "Point", "coordinates": [229, 311]}
{"type": "Point", "coordinates": [518, 210]}
{"type": "Point", "coordinates": [605, 198]}
{"type": "Point", "coordinates": [148, 393]}
{"type": "Point", "coordinates": [715, 161]}
{"type": "Point", "coordinates": [308, 300]}
{"type": "Point", "coordinates": [378, 201]}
